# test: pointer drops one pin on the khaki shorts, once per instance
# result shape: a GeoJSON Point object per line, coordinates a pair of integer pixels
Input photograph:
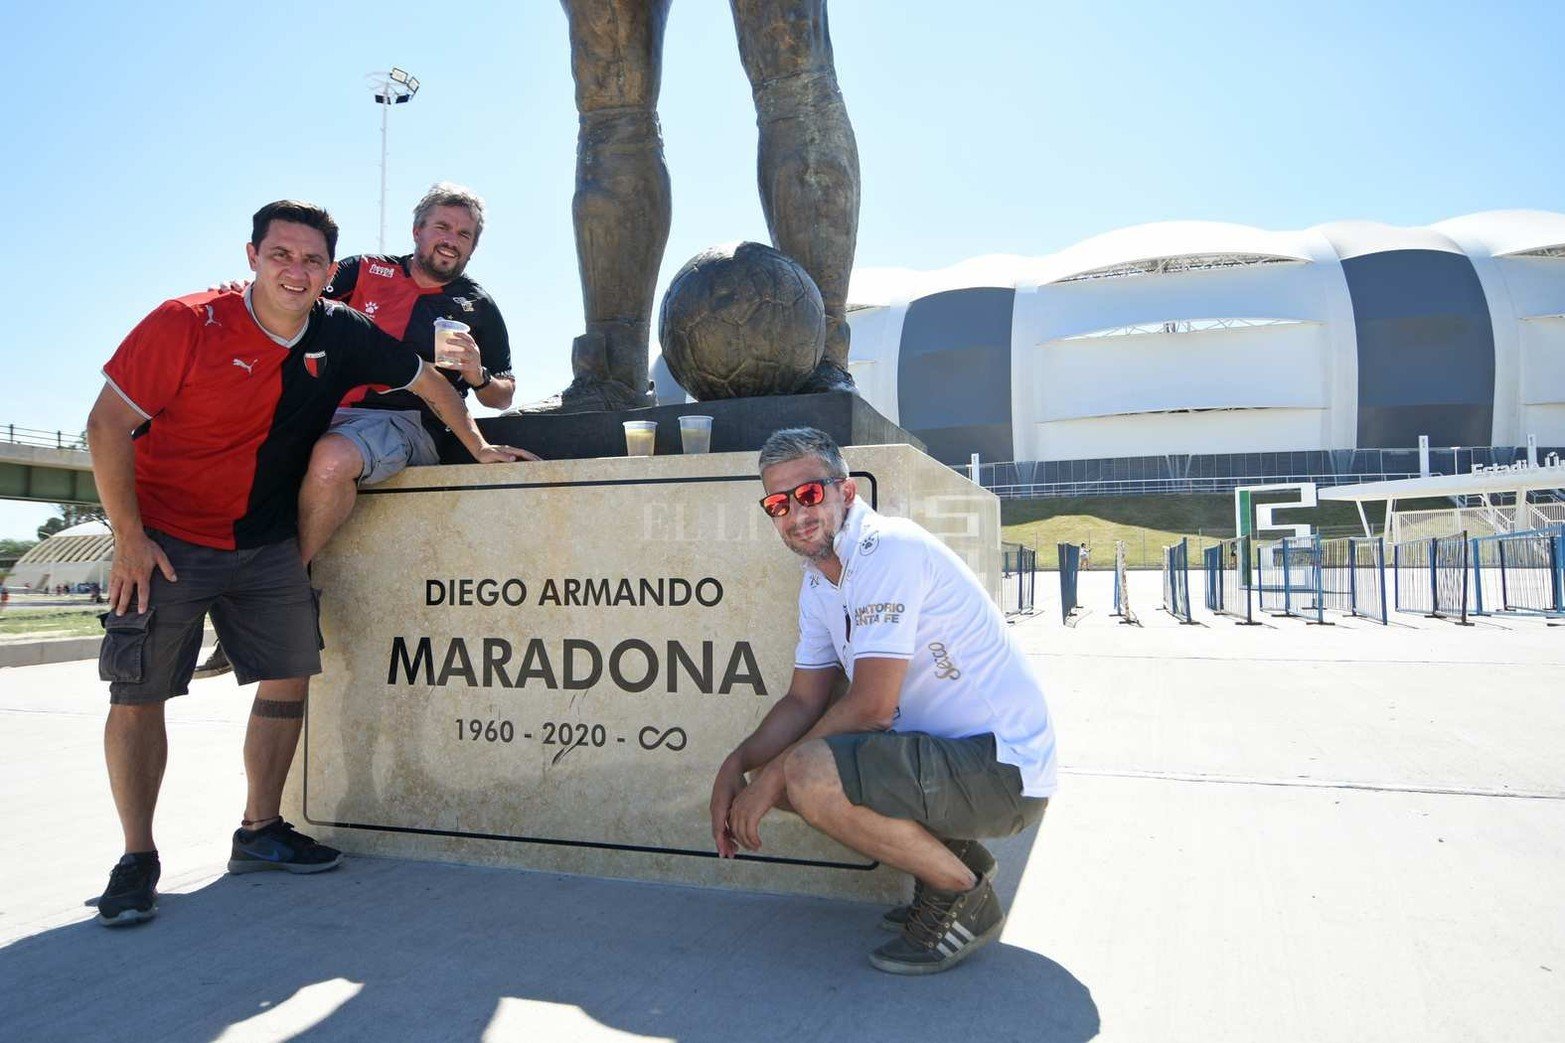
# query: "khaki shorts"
{"type": "Point", "coordinates": [955, 788]}
{"type": "Point", "coordinates": [263, 609]}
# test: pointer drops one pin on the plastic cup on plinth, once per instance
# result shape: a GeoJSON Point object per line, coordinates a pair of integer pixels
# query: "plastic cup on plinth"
{"type": "Point", "coordinates": [695, 434]}
{"type": "Point", "coordinates": [640, 436]}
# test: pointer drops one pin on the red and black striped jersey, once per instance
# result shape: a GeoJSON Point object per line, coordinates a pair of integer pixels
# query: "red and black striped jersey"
{"type": "Point", "coordinates": [382, 288]}
{"type": "Point", "coordinates": [233, 414]}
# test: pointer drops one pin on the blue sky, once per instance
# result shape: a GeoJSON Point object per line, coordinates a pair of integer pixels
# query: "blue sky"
{"type": "Point", "coordinates": [140, 143]}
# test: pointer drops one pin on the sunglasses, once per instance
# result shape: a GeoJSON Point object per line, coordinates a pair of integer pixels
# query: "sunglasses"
{"type": "Point", "coordinates": [808, 495]}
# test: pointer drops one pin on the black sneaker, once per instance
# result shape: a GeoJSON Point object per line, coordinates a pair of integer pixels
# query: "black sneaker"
{"type": "Point", "coordinates": [973, 855]}
{"type": "Point", "coordinates": [280, 846]}
{"type": "Point", "coordinates": [132, 894]}
{"type": "Point", "coordinates": [216, 664]}
{"type": "Point", "coordinates": [945, 929]}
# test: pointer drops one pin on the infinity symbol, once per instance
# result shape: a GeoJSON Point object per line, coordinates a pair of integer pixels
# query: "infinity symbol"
{"type": "Point", "coordinates": [673, 738]}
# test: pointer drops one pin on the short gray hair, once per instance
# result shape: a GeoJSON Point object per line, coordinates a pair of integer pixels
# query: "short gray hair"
{"type": "Point", "coordinates": [449, 193]}
{"type": "Point", "coordinates": [794, 443]}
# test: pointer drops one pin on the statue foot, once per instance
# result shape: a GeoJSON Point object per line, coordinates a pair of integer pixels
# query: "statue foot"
{"type": "Point", "coordinates": [587, 395]}
{"type": "Point", "coordinates": [827, 376]}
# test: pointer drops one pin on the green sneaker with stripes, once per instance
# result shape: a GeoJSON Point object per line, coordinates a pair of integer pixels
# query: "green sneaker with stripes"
{"type": "Point", "coordinates": [973, 855]}
{"type": "Point", "coordinates": [944, 929]}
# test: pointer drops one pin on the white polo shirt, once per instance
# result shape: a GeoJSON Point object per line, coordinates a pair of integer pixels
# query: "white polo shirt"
{"type": "Point", "coordinates": [906, 595]}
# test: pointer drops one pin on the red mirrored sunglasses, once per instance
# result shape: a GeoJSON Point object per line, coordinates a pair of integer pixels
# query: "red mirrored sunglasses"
{"type": "Point", "coordinates": [808, 495]}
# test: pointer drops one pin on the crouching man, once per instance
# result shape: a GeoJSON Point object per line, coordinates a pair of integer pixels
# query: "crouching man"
{"type": "Point", "coordinates": [943, 736]}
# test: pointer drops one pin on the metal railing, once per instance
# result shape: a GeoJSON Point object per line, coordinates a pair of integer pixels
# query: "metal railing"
{"type": "Point", "coordinates": [1431, 576]}
{"type": "Point", "coordinates": [1353, 576]}
{"type": "Point", "coordinates": [1070, 570]}
{"type": "Point", "coordinates": [44, 439]}
{"type": "Point", "coordinates": [1519, 573]}
{"type": "Point", "coordinates": [1019, 564]}
{"type": "Point", "coordinates": [1176, 581]}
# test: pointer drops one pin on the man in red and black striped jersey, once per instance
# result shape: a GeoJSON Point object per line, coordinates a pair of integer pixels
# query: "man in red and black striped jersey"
{"type": "Point", "coordinates": [200, 440]}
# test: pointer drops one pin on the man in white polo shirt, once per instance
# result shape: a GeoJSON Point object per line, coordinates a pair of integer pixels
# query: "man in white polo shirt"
{"type": "Point", "coordinates": [943, 736]}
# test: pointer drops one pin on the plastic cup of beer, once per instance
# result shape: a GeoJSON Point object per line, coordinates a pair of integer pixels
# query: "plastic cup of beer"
{"type": "Point", "coordinates": [639, 437]}
{"type": "Point", "coordinates": [695, 434]}
{"type": "Point", "coordinates": [444, 355]}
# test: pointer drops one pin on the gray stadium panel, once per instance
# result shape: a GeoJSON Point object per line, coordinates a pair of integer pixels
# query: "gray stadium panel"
{"type": "Point", "coordinates": [954, 373]}
{"type": "Point", "coordinates": [1425, 348]}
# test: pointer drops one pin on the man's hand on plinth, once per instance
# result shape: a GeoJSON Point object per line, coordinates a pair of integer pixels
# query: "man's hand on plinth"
{"type": "Point", "coordinates": [503, 454]}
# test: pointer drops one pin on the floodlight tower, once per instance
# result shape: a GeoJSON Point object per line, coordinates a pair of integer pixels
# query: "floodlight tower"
{"type": "Point", "coordinates": [391, 88]}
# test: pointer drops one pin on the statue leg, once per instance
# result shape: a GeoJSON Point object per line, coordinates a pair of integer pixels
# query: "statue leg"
{"type": "Point", "coordinates": [622, 205]}
{"type": "Point", "coordinates": [808, 165]}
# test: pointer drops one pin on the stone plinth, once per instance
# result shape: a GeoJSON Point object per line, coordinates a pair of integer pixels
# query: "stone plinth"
{"type": "Point", "coordinates": [738, 425]}
{"type": "Point", "coordinates": [542, 665]}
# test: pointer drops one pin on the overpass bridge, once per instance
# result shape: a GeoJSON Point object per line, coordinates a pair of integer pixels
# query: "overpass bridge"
{"type": "Point", "coordinates": [45, 466]}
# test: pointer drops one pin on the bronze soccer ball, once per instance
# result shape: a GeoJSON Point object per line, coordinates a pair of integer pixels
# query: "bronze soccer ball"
{"type": "Point", "coordinates": [739, 320]}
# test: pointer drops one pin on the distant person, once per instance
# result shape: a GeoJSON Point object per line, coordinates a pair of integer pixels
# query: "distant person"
{"type": "Point", "coordinates": [380, 430]}
{"type": "Point", "coordinates": [200, 440]}
{"type": "Point", "coordinates": [943, 736]}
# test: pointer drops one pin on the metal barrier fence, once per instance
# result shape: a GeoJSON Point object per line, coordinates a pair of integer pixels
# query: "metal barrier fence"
{"type": "Point", "coordinates": [1212, 565]}
{"type": "Point", "coordinates": [1352, 576]}
{"type": "Point", "coordinates": [1288, 577]}
{"type": "Point", "coordinates": [1521, 573]}
{"type": "Point", "coordinates": [1021, 562]}
{"type": "Point", "coordinates": [1070, 568]}
{"type": "Point", "coordinates": [1230, 591]}
{"type": "Point", "coordinates": [1176, 581]}
{"type": "Point", "coordinates": [1122, 607]}
{"type": "Point", "coordinates": [1431, 576]}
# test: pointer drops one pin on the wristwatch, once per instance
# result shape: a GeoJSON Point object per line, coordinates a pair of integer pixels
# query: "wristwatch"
{"type": "Point", "coordinates": [487, 378]}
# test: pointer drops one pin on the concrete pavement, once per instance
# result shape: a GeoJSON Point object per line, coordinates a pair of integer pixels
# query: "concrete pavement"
{"type": "Point", "coordinates": [1279, 833]}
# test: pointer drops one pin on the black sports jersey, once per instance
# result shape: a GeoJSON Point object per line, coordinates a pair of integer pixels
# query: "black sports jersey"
{"type": "Point", "coordinates": [382, 288]}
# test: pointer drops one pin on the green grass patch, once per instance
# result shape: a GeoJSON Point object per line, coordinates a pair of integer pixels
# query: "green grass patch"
{"type": "Point", "coordinates": [50, 622]}
{"type": "Point", "coordinates": [1149, 523]}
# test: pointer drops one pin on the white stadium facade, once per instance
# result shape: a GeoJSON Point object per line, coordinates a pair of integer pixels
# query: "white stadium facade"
{"type": "Point", "coordinates": [1203, 341]}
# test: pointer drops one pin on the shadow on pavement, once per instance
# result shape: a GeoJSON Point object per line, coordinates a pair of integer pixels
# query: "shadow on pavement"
{"type": "Point", "coordinates": [435, 951]}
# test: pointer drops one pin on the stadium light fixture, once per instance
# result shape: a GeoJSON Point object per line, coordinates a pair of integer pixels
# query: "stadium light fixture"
{"type": "Point", "coordinates": [396, 87]}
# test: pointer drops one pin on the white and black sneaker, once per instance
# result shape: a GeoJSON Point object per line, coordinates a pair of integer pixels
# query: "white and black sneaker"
{"type": "Point", "coordinates": [973, 855]}
{"type": "Point", "coordinates": [132, 894]}
{"type": "Point", "coordinates": [944, 929]}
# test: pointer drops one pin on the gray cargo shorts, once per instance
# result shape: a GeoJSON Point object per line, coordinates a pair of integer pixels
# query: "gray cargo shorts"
{"type": "Point", "coordinates": [388, 440]}
{"type": "Point", "coordinates": [262, 607]}
{"type": "Point", "coordinates": [955, 788]}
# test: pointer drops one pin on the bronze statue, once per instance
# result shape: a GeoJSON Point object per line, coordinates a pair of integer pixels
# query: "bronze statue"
{"type": "Point", "coordinates": [808, 171]}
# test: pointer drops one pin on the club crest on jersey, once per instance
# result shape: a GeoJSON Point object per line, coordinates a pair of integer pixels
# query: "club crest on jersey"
{"type": "Point", "coordinates": [314, 362]}
{"type": "Point", "coordinates": [466, 304]}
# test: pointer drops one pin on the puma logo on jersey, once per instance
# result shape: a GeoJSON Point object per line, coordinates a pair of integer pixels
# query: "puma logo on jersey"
{"type": "Point", "coordinates": [248, 367]}
{"type": "Point", "coordinates": [211, 319]}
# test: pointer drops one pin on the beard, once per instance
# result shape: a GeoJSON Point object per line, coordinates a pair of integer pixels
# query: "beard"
{"type": "Point", "coordinates": [820, 545]}
{"type": "Point", "coordinates": [436, 266]}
